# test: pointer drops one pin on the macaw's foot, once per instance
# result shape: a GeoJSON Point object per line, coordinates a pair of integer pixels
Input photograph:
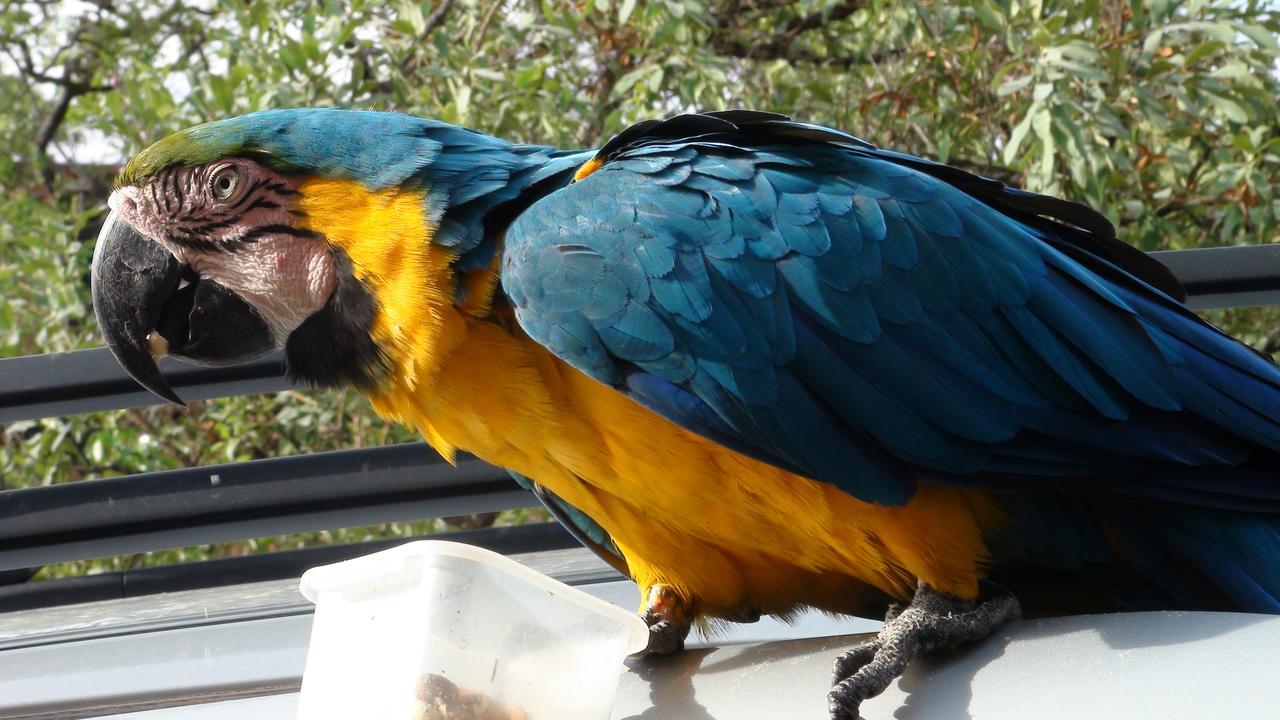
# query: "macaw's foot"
{"type": "Point", "coordinates": [933, 621]}
{"type": "Point", "coordinates": [669, 618]}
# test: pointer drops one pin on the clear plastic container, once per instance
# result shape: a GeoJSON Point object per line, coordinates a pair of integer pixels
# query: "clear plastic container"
{"type": "Point", "coordinates": [386, 623]}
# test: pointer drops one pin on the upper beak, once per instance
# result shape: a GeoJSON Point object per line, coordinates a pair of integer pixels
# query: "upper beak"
{"type": "Point", "coordinates": [133, 277]}
{"type": "Point", "coordinates": [144, 310]}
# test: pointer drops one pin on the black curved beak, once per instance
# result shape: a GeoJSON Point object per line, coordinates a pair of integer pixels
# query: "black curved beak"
{"type": "Point", "coordinates": [145, 309]}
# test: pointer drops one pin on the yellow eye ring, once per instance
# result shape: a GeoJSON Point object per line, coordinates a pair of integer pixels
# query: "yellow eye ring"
{"type": "Point", "coordinates": [223, 183]}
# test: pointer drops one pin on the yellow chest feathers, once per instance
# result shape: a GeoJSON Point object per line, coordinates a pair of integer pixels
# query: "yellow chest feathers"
{"type": "Point", "coordinates": [686, 512]}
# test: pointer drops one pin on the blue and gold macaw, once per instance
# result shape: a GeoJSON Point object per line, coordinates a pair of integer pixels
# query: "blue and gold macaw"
{"type": "Point", "coordinates": [759, 364]}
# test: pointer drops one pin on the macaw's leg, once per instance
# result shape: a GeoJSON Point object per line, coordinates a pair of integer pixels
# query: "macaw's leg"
{"type": "Point", "coordinates": [933, 621]}
{"type": "Point", "coordinates": [669, 617]}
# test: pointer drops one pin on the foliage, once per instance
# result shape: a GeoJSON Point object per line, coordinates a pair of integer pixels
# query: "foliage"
{"type": "Point", "coordinates": [1163, 114]}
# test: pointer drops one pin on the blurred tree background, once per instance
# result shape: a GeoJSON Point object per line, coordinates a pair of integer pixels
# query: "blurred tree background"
{"type": "Point", "coordinates": [1163, 113]}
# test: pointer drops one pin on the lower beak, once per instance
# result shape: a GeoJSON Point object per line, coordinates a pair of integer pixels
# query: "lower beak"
{"type": "Point", "coordinates": [144, 310]}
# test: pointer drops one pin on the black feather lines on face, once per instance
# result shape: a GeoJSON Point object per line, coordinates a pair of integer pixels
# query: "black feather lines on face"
{"type": "Point", "coordinates": [199, 222]}
{"type": "Point", "coordinates": [335, 347]}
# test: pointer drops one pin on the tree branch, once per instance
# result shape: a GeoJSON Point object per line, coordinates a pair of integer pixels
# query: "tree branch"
{"type": "Point", "coordinates": [433, 21]}
{"type": "Point", "coordinates": [72, 83]}
{"type": "Point", "coordinates": [477, 38]}
{"type": "Point", "coordinates": [54, 120]}
{"type": "Point", "coordinates": [436, 18]}
{"type": "Point", "coordinates": [816, 20]}
{"type": "Point", "coordinates": [782, 46]}
{"type": "Point", "coordinates": [67, 80]}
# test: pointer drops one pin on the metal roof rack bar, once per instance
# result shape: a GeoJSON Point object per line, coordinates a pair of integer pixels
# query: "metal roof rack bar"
{"type": "Point", "coordinates": [257, 568]}
{"type": "Point", "coordinates": [1227, 277]}
{"type": "Point", "coordinates": [39, 386]}
{"type": "Point", "coordinates": [176, 508]}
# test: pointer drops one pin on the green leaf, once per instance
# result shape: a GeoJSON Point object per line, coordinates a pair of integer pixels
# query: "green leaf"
{"type": "Point", "coordinates": [1042, 123]}
{"type": "Point", "coordinates": [1234, 70]}
{"type": "Point", "coordinates": [986, 17]}
{"type": "Point", "coordinates": [1016, 136]}
{"type": "Point", "coordinates": [259, 14]}
{"type": "Point", "coordinates": [1263, 37]}
{"type": "Point", "coordinates": [411, 13]}
{"type": "Point", "coordinates": [944, 148]}
{"type": "Point", "coordinates": [1010, 87]}
{"type": "Point", "coordinates": [1078, 50]}
{"type": "Point", "coordinates": [1202, 51]}
{"type": "Point", "coordinates": [624, 11]}
{"type": "Point", "coordinates": [528, 76]}
{"type": "Point", "coordinates": [223, 93]}
{"type": "Point", "coordinates": [629, 80]}
{"type": "Point", "coordinates": [1152, 42]}
{"type": "Point", "coordinates": [1222, 32]}
{"type": "Point", "coordinates": [462, 102]}
{"type": "Point", "coordinates": [1081, 71]}
{"type": "Point", "coordinates": [1230, 108]}
{"type": "Point", "coordinates": [292, 56]}
{"type": "Point", "coordinates": [655, 79]}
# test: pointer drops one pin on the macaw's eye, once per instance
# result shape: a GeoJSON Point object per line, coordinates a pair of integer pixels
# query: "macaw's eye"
{"type": "Point", "coordinates": [223, 183]}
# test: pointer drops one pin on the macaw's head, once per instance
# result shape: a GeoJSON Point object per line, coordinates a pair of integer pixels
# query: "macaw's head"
{"type": "Point", "coordinates": [328, 234]}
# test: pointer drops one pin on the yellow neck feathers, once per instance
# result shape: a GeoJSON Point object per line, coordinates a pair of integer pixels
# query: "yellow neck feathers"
{"type": "Point", "coordinates": [427, 337]}
{"type": "Point", "coordinates": [386, 235]}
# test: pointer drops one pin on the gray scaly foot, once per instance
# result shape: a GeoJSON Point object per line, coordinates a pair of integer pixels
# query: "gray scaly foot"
{"type": "Point", "coordinates": [933, 621]}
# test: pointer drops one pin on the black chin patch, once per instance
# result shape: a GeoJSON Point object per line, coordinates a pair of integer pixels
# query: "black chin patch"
{"type": "Point", "coordinates": [335, 346]}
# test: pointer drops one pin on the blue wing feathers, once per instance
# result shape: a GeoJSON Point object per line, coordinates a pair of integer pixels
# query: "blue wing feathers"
{"type": "Point", "coordinates": [1227, 558]}
{"type": "Point", "coordinates": [894, 299]}
{"type": "Point", "coordinates": [863, 318]}
{"type": "Point", "coordinates": [945, 259]}
{"type": "Point", "coordinates": [638, 335]}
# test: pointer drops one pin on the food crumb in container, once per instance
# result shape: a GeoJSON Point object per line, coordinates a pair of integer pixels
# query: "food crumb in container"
{"type": "Point", "coordinates": [439, 699]}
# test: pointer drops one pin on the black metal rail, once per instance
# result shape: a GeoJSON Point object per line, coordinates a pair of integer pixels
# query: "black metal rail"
{"type": "Point", "coordinates": [152, 511]}
{"type": "Point", "coordinates": [175, 508]}
{"type": "Point", "coordinates": [83, 381]}
{"type": "Point", "coordinates": [258, 568]}
{"type": "Point", "coordinates": [1227, 277]}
